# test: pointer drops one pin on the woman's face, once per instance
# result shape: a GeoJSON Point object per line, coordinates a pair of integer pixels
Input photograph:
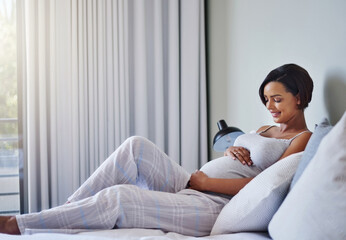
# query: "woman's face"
{"type": "Point", "coordinates": [282, 105]}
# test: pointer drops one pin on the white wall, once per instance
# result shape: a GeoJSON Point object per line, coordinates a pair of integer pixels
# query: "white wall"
{"type": "Point", "coordinates": [247, 39]}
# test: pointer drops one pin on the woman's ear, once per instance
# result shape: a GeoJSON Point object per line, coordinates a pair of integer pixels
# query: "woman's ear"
{"type": "Point", "coordinates": [298, 99]}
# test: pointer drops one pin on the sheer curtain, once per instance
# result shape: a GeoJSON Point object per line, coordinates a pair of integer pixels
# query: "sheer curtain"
{"type": "Point", "coordinates": [95, 72]}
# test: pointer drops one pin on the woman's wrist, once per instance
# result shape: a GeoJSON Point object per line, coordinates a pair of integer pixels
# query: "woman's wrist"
{"type": "Point", "coordinates": [207, 185]}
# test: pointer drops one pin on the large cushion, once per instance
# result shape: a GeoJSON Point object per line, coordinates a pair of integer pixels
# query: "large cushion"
{"type": "Point", "coordinates": [320, 131]}
{"type": "Point", "coordinates": [253, 207]}
{"type": "Point", "coordinates": [316, 207]}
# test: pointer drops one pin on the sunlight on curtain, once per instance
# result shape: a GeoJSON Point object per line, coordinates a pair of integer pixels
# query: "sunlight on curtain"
{"type": "Point", "coordinates": [98, 72]}
{"type": "Point", "coordinates": [9, 140]}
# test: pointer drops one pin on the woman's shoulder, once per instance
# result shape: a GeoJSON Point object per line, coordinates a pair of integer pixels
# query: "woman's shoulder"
{"type": "Point", "coordinates": [264, 128]}
{"type": "Point", "coordinates": [302, 136]}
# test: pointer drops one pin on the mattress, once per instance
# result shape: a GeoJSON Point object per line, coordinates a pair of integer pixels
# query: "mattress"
{"type": "Point", "coordinates": [122, 234]}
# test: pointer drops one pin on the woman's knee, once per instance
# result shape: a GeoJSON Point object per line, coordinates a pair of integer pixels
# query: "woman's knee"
{"type": "Point", "coordinates": [138, 142]}
{"type": "Point", "coordinates": [136, 139]}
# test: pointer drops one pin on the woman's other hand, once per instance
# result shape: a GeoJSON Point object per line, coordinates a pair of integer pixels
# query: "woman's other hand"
{"type": "Point", "coordinates": [240, 153]}
{"type": "Point", "coordinates": [198, 180]}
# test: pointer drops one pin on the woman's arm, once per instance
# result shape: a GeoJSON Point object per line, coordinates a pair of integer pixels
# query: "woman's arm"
{"type": "Point", "coordinates": [297, 145]}
{"type": "Point", "coordinates": [201, 182]}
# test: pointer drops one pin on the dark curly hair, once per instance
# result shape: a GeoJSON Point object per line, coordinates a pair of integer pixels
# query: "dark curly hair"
{"type": "Point", "coordinates": [296, 81]}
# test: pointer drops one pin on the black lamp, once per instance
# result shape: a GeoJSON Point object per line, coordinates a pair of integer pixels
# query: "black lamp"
{"type": "Point", "coordinates": [225, 137]}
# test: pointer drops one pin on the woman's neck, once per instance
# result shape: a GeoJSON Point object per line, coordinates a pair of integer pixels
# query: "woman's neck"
{"type": "Point", "coordinates": [296, 124]}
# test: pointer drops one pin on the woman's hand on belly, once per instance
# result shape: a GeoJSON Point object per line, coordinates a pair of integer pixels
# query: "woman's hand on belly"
{"type": "Point", "coordinates": [198, 180]}
{"type": "Point", "coordinates": [240, 153]}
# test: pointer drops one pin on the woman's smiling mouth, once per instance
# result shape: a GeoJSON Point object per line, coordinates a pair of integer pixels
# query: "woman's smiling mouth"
{"type": "Point", "coordinates": [275, 114]}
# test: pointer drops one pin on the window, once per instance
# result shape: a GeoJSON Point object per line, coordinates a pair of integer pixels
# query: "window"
{"type": "Point", "coordinates": [9, 152]}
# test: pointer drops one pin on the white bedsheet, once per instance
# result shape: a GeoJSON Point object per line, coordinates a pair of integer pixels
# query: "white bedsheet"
{"type": "Point", "coordinates": [129, 234]}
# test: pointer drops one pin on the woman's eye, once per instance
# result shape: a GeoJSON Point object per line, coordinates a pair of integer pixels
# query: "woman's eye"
{"type": "Point", "coordinates": [277, 100]}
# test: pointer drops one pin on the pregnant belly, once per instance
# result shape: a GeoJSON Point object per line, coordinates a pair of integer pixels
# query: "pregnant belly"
{"type": "Point", "coordinates": [226, 167]}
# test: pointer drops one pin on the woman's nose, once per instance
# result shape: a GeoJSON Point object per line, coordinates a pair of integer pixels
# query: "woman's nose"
{"type": "Point", "coordinates": [269, 104]}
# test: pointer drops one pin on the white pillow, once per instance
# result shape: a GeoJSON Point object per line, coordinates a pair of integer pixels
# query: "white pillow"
{"type": "Point", "coordinates": [253, 207]}
{"type": "Point", "coordinates": [316, 206]}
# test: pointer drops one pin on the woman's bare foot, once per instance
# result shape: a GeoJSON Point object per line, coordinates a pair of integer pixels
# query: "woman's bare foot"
{"type": "Point", "coordinates": [8, 224]}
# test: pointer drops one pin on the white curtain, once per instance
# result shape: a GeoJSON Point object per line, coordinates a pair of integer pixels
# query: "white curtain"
{"type": "Point", "coordinates": [98, 71]}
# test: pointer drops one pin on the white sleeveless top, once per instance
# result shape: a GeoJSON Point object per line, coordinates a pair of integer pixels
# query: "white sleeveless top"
{"type": "Point", "coordinates": [264, 151]}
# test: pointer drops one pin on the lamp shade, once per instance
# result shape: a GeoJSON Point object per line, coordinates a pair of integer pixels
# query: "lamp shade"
{"type": "Point", "coordinates": [225, 137]}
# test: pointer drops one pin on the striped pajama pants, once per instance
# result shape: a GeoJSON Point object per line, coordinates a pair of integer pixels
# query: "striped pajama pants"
{"type": "Point", "coordinates": [138, 186]}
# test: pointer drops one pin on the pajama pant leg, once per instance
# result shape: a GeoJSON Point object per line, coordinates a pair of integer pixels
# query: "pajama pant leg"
{"type": "Point", "coordinates": [139, 162]}
{"type": "Point", "coordinates": [187, 212]}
